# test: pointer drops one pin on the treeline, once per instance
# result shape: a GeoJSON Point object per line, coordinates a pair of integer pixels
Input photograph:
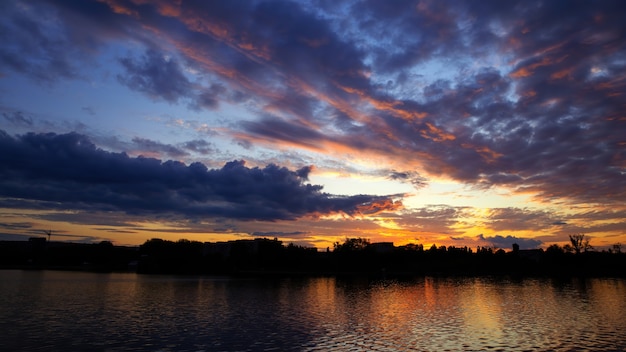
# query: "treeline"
{"type": "Point", "coordinates": [354, 256]}
{"type": "Point", "coordinates": [357, 256]}
{"type": "Point", "coordinates": [37, 253]}
{"type": "Point", "coordinates": [256, 256]}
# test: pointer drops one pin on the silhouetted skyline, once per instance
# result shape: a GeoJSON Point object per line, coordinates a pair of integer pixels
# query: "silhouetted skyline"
{"type": "Point", "coordinates": [351, 257]}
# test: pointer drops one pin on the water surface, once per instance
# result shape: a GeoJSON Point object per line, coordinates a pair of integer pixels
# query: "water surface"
{"type": "Point", "coordinates": [60, 311]}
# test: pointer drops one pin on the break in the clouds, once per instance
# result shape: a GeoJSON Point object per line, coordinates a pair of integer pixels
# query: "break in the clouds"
{"type": "Point", "coordinates": [69, 172]}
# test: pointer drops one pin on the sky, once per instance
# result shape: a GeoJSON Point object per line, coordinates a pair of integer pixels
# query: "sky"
{"type": "Point", "coordinates": [456, 123]}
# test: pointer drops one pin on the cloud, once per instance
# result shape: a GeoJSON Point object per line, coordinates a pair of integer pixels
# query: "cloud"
{"type": "Point", "coordinates": [508, 241]}
{"type": "Point", "coordinates": [526, 95]}
{"type": "Point", "coordinates": [409, 176]}
{"type": "Point", "coordinates": [16, 225]}
{"type": "Point", "coordinates": [18, 118]}
{"type": "Point", "coordinates": [150, 146]}
{"type": "Point", "coordinates": [26, 39]}
{"type": "Point", "coordinates": [434, 219]}
{"type": "Point", "coordinates": [516, 219]}
{"type": "Point", "coordinates": [198, 146]}
{"type": "Point", "coordinates": [280, 234]}
{"type": "Point", "coordinates": [48, 41]}
{"type": "Point", "coordinates": [161, 76]}
{"type": "Point", "coordinates": [156, 75]}
{"type": "Point", "coordinates": [68, 171]}
{"type": "Point", "coordinates": [88, 110]}
{"type": "Point", "coordinates": [208, 97]}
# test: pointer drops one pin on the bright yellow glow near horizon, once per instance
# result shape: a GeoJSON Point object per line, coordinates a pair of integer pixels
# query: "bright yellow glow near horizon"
{"type": "Point", "coordinates": [347, 185]}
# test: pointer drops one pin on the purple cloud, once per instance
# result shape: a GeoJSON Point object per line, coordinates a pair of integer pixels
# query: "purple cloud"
{"type": "Point", "coordinates": [69, 172]}
{"type": "Point", "coordinates": [156, 76]}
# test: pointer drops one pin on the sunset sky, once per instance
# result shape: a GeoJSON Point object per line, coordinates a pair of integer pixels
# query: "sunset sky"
{"type": "Point", "coordinates": [464, 123]}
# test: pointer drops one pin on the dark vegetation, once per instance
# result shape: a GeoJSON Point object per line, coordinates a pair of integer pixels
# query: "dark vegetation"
{"type": "Point", "coordinates": [38, 253]}
{"type": "Point", "coordinates": [355, 256]}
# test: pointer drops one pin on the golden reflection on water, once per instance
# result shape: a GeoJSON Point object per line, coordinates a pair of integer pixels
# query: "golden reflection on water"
{"type": "Point", "coordinates": [479, 313]}
{"type": "Point", "coordinates": [481, 306]}
{"type": "Point", "coordinates": [86, 311]}
{"type": "Point", "coordinates": [603, 299]}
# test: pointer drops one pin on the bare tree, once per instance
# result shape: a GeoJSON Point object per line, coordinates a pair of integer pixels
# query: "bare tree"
{"type": "Point", "coordinates": [617, 248]}
{"type": "Point", "coordinates": [580, 243]}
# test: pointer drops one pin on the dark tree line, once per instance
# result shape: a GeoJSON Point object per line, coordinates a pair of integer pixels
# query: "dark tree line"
{"type": "Point", "coordinates": [37, 253]}
{"type": "Point", "coordinates": [354, 256]}
{"type": "Point", "coordinates": [359, 256]}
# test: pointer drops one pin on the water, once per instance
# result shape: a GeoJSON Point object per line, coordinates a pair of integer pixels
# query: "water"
{"type": "Point", "coordinates": [61, 311]}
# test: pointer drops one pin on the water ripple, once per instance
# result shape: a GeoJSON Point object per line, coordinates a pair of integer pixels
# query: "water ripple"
{"type": "Point", "coordinates": [57, 311]}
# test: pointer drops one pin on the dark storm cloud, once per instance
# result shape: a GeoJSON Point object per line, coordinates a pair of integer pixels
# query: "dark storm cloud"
{"type": "Point", "coordinates": [69, 172]}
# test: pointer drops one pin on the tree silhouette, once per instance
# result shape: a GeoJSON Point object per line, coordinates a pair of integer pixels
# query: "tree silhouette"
{"type": "Point", "coordinates": [580, 243]}
{"type": "Point", "coordinates": [352, 245]}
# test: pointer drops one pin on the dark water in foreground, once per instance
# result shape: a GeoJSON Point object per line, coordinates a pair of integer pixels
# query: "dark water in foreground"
{"type": "Point", "coordinates": [49, 310]}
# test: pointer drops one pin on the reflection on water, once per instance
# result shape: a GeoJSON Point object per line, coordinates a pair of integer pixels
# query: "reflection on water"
{"type": "Point", "coordinates": [48, 311]}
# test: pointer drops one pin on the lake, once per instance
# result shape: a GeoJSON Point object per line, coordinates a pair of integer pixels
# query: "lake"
{"type": "Point", "coordinates": [61, 311]}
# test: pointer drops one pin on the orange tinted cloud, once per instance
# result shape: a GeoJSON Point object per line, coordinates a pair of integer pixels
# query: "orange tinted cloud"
{"type": "Point", "coordinates": [380, 206]}
{"type": "Point", "coordinates": [529, 69]}
{"type": "Point", "coordinates": [562, 74]}
{"type": "Point", "coordinates": [436, 134]}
